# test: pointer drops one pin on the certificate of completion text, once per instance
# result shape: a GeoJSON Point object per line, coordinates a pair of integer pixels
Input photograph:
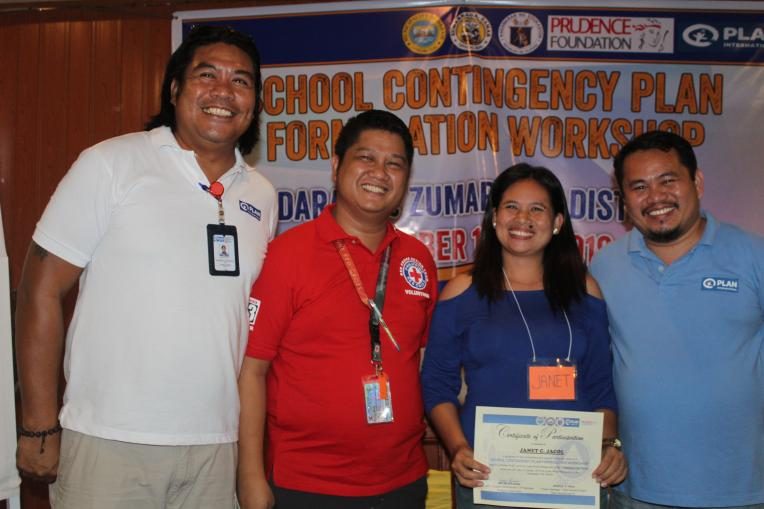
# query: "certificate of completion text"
{"type": "Point", "coordinates": [538, 458]}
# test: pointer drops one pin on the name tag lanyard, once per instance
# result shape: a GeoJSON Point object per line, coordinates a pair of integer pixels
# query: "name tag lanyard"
{"type": "Point", "coordinates": [216, 190]}
{"type": "Point", "coordinates": [559, 368]}
{"type": "Point", "coordinates": [376, 305]}
{"type": "Point", "coordinates": [376, 387]}
{"type": "Point", "coordinates": [222, 239]}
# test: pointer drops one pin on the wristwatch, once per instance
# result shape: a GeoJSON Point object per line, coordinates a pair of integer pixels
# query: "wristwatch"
{"type": "Point", "coordinates": [612, 442]}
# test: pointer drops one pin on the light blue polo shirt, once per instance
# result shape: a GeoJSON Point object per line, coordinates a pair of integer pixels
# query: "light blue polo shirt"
{"type": "Point", "coordinates": [688, 348]}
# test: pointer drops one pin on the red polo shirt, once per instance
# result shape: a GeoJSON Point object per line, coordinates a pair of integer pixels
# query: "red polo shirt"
{"type": "Point", "coordinates": [312, 326]}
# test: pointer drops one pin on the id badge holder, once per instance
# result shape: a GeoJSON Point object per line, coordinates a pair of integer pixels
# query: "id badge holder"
{"type": "Point", "coordinates": [223, 250]}
{"type": "Point", "coordinates": [552, 380]}
{"type": "Point", "coordinates": [379, 405]}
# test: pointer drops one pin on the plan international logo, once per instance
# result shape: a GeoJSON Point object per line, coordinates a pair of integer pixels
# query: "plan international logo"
{"type": "Point", "coordinates": [720, 284]}
{"type": "Point", "coordinates": [250, 209]}
{"type": "Point", "coordinates": [610, 34]}
{"type": "Point", "coordinates": [733, 37]}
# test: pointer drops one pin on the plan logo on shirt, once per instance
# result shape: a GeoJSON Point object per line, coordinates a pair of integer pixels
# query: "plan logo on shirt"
{"type": "Point", "coordinates": [720, 284]}
{"type": "Point", "coordinates": [415, 275]}
{"type": "Point", "coordinates": [252, 309]}
{"type": "Point", "coordinates": [250, 209]}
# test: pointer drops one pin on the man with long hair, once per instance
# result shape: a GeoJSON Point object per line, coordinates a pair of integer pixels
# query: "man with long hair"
{"type": "Point", "coordinates": [151, 358]}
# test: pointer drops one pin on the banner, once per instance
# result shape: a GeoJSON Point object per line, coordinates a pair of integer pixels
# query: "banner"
{"type": "Point", "coordinates": [9, 477]}
{"type": "Point", "coordinates": [483, 86]}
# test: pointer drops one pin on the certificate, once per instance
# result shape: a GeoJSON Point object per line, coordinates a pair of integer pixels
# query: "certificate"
{"type": "Point", "coordinates": [538, 458]}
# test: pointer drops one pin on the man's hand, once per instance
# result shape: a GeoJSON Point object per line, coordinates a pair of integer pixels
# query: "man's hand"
{"type": "Point", "coordinates": [36, 465]}
{"type": "Point", "coordinates": [45, 281]}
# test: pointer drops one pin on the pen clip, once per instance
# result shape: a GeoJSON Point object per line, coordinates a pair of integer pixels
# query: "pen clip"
{"type": "Point", "coordinates": [378, 314]}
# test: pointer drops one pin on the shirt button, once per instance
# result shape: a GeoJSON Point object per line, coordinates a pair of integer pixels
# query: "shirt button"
{"type": "Point", "coordinates": [660, 268]}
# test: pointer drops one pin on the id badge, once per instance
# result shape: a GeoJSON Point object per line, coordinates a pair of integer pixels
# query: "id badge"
{"type": "Point", "coordinates": [379, 406]}
{"type": "Point", "coordinates": [222, 250]}
{"type": "Point", "coordinates": [552, 380]}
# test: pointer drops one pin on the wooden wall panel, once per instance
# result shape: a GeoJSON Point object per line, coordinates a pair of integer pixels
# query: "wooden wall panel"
{"type": "Point", "coordinates": [157, 53]}
{"type": "Point", "coordinates": [79, 120]}
{"type": "Point", "coordinates": [53, 66]}
{"type": "Point", "coordinates": [69, 84]}
{"type": "Point", "coordinates": [25, 199]}
{"type": "Point", "coordinates": [107, 76]}
{"type": "Point", "coordinates": [132, 52]}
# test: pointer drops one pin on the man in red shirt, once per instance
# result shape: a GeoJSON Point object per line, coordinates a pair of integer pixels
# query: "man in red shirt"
{"type": "Point", "coordinates": [337, 320]}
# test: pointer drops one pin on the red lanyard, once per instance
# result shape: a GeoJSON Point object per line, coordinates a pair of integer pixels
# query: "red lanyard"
{"type": "Point", "coordinates": [216, 190]}
{"type": "Point", "coordinates": [375, 306]}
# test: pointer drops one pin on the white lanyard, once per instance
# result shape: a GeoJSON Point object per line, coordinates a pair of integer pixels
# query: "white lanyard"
{"type": "Point", "coordinates": [530, 336]}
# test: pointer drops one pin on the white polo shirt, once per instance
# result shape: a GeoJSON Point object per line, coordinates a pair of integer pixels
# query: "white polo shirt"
{"type": "Point", "coordinates": [155, 345]}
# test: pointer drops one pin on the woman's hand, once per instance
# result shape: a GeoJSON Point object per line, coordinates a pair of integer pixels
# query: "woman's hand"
{"type": "Point", "coordinates": [468, 472]}
{"type": "Point", "coordinates": [612, 469]}
{"type": "Point", "coordinates": [255, 494]}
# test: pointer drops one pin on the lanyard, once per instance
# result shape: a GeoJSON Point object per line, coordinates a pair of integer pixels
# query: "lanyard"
{"type": "Point", "coordinates": [216, 190]}
{"type": "Point", "coordinates": [375, 306]}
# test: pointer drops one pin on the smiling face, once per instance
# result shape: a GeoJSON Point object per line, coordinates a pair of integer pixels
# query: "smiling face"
{"type": "Point", "coordinates": [525, 219]}
{"type": "Point", "coordinates": [215, 105]}
{"type": "Point", "coordinates": [661, 199]}
{"type": "Point", "coordinates": [372, 178]}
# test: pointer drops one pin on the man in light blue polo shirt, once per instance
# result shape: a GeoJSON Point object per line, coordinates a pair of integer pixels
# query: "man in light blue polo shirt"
{"type": "Point", "coordinates": [685, 298]}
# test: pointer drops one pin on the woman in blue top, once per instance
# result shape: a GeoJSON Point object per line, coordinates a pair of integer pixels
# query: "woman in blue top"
{"type": "Point", "coordinates": [528, 302]}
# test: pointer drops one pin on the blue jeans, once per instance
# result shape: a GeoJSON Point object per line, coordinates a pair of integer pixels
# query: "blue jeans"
{"type": "Point", "coordinates": [464, 499]}
{"type": "Point", "coordinates": [621, 501]}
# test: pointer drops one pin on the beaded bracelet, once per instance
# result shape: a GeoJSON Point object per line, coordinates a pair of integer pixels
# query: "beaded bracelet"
{"type": "Point", "coordinates": [41, 434]}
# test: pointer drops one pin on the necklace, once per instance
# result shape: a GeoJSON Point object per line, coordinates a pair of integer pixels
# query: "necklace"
{"type": "Point", "coordinates": [528, 329]}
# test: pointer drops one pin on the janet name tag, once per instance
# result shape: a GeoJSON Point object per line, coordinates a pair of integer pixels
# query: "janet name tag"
{"type": "Point", "coordinates": [552, 382]}
{"type": "Point", "coordinates": [379, 405]}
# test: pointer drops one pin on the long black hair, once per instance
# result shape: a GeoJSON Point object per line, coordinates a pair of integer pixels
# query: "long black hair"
{"type": "Point", "coordinates": [564, 269]}
{"type": "Point", "coordinates": [199, 36]}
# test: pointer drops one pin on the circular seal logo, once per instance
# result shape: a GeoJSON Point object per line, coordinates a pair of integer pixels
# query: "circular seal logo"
{"type": "Point", "coordinates": [471, 31]}
{"type": "Point", "coordinates": [709, 283]}
{"type": "Point", "coordinates": [521, 33]}
{"type": "Point", "coordinates": [414, 273]}
{"type": "Point", "coordinates": [424, 33]}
